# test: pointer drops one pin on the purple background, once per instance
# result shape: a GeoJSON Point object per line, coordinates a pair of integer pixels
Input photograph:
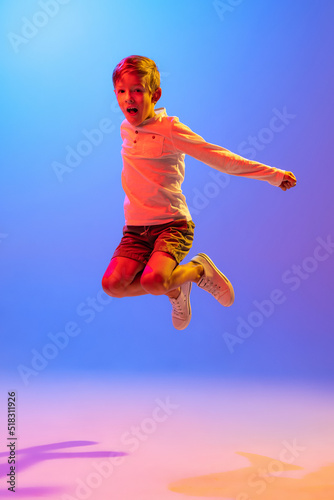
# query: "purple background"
{"type": "Point", "coordinates": [225, 74]}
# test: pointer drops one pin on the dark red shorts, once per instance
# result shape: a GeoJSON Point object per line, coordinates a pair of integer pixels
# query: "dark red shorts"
{"type": "Point", "coordinates": [139, 242]}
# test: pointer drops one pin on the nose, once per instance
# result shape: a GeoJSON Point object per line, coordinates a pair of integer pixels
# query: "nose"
{"type": "Point", "coordinates": [128, 97]}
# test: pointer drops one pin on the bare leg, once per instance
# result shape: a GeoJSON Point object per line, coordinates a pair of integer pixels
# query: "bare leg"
{"type": "Point", "coordinates": [122, 278]}
{"type": "Point", "coordinates": [182, 274]}
{"type": "Point", "coordinates": [163, 276]}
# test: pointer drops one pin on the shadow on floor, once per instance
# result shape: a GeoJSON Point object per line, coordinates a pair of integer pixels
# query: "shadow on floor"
{"type": "Point", "coordinates": [262, 479]}
{"type": "Point", "coordinates": [28, 457]}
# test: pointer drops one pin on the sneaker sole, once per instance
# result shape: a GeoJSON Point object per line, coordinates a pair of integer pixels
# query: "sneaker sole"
{"type": "Point", "coordinates": [227, 281]}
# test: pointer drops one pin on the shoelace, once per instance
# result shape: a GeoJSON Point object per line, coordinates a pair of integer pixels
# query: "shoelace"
{"type": "Point", "coordinates": [210, 287]}
{"type": "Point", "coordinates": [177, 307]}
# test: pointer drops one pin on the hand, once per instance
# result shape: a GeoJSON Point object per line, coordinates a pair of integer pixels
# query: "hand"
{"type": "Point", "coordinates": [289, 181]}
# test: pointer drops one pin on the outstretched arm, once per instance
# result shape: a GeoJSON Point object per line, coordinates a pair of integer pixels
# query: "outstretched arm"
{"type": "Point", "coordinates": [186, 141]}
{"type": "Point", "coordinates": [289, 181]}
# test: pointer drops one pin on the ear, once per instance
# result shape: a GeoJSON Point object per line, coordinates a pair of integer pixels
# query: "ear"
{"type": "Point", "coordinates": [156, 95]}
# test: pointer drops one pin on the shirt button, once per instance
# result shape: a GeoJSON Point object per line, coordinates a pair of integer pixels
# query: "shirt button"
{"type": "Point", "coordinates": [153, 136]}
{"type": "Point", "coordinates": [134, 141]}
{"type": "Point", "coordinates": [136, 132]}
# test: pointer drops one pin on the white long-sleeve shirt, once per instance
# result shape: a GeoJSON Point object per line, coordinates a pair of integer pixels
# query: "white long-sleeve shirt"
{"type": "Point", "coordinates": [153, 168]}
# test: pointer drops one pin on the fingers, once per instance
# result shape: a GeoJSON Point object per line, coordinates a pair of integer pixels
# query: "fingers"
{"type": "Point", "coordinates": [289, 176]}
{"type": "Point", "coordinates": [287, 185]}
{"type": "Point", "coordinates": [289, 181]}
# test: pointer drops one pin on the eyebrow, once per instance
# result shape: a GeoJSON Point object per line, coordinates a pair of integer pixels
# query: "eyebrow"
{"type": "Point", "coordinates": [137, 86]}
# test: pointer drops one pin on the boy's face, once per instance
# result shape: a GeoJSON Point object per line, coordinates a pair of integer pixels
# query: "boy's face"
{"type": "Point", "coordinates": [135, 100]}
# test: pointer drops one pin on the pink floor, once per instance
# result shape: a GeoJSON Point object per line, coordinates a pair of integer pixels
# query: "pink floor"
{"type": "Point", "coordinates": [104, 438]}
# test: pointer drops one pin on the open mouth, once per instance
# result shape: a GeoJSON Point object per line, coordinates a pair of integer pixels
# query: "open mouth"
{"type": "Point", "coordinates": [132, 111]}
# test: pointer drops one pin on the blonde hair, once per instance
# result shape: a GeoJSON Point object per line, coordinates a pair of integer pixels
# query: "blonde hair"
{"type": "Point", "coordinates": [143, 66]}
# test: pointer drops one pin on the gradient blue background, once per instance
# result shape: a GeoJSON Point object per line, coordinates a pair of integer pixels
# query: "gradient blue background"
{"type": "Point", "coordinates": [222, 75]}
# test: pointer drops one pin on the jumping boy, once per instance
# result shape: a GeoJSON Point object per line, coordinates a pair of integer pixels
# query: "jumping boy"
{"type": "Point", "coordinates": [158, 231]}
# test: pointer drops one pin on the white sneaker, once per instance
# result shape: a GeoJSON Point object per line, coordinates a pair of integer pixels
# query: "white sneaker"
{"type": "Point", "coordinates": [181, 313]}
{"type": "Point", "coordinates": [213, 281]}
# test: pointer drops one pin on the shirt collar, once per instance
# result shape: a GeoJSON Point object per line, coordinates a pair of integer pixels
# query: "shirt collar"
{"type": "Point", "coordinates": [159, 113]}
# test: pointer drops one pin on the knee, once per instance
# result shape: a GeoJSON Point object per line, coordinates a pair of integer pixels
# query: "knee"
{"type": "Point", "coordinates": [113, 286]}
{"type": "Point", "coordinates": [154, 283]}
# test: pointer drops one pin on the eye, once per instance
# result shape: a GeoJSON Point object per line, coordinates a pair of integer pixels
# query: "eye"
{"type": "Point", "coordinates": [120, 91]}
